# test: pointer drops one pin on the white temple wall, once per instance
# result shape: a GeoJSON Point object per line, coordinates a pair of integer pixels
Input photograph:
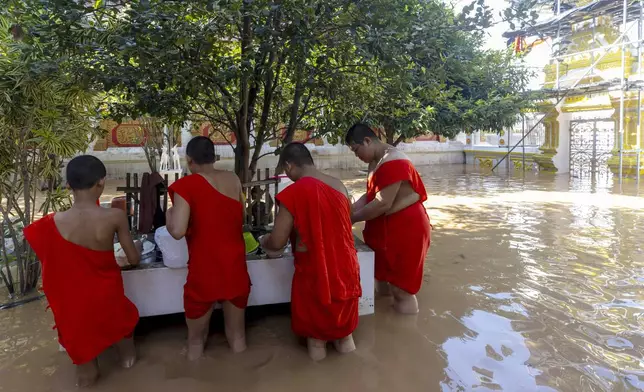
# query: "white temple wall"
{"type": "Point", "coordinates": [120, 161]}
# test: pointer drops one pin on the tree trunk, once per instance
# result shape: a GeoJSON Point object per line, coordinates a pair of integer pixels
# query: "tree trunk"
{"type": "Point", "coordinates": [398, 140]}
{"type": "Point", "coordinates": [242, 150]}
{"type": "Point", "coordinates": [297, 97]}
{"type": "Point", "coordinates": [390, 133]}
{"type": "Point", "coordinates": [8, 281]}
{"type": "Point", "coordinates": [269, 79]}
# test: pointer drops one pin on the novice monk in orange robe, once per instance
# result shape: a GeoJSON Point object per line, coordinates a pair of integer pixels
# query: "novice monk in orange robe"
{"type": "Point", "coordinates": [397, 226]}
{"type": "Point", "coordinates": [207, 209]}
{"type": "Point", "coordinates": [80, 276]}
{"type": "Point", "coordinates": [316, 213]}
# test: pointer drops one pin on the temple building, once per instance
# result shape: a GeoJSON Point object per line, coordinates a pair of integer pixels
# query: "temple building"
{"type": "Point", "coordinates": [592, 123]}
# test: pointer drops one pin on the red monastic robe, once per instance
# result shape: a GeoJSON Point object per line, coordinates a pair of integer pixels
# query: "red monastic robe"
{"type": "Point", "coordinates": [326, 284]}
{"type": "Point", "coordinates": [85, 292]}
{"type": "Point", "coordinates": [217, 268]}
{"type": "Point", "coordinates": [401, 240]}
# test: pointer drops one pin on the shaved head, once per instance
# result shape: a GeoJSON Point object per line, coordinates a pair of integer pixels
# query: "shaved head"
{"type": "Point", "coordinates": [296, 154]}
{"type": "Point", "coordinates": [358, 132]}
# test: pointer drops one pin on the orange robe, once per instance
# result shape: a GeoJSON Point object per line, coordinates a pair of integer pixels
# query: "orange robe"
{"type": "Point", "coordinates": [401, 240]}
{"type": "Point", "coordinates": [217, 268]}
{"type": "Point", "coordinates": [326, 284]}
{"type": "Point", "coordinates": [85, 292]}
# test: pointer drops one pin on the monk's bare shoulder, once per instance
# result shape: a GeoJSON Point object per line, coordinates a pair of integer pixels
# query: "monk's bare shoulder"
{"type": "Point", "coordinates": [394, 154]}
{"type": "Point", "coordinates": [234, 181]}
{"type": "Point", "coordinates": [338, 185]}
{"type": "Point", "coordinates": [229, 183]}
{"type": "Point", "coordinates": [114, 215]}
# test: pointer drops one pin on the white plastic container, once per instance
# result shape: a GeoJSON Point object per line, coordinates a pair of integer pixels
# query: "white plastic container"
{"type": "Point", "coordinates": [175, 252]}
{"type": "Point", "coordinates": [147, 254]}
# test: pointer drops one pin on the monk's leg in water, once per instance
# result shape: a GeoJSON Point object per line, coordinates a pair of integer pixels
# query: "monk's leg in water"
{"type": "Point", "coordinates": [127, 352]}
{"type": "Point", "coordinates": [234, 320]}
{"type": "Point", "coordinates": [383, 289]}
{"type": "Point", "coordinates": [404, 302]}
{"type": "Point", "coordinates": [87, 373]}
{"type": "Point", "coordinates": [197, 330]}
{"type": "Point", "coordinates": [317, 349]}
{"type": "Point", "coordinates": [345, 345]}
{"type": "Point", "coordinates": [206, 333]}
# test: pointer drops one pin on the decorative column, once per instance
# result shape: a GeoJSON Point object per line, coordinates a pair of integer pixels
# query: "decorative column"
{"type": "Point", "coordinates": [468, 139]}
{"type": "Point", "coordinates": [551, 140]}
{"type": "Point", "coordinates": [629, 160]}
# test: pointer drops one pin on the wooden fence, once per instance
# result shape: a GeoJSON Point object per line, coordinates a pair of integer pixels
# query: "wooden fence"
{"type": "Point", "coordinates": [259, 209]}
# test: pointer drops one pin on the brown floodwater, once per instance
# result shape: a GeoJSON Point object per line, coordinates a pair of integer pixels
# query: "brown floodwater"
{"type": "Point", "coordinates": [533, 283]}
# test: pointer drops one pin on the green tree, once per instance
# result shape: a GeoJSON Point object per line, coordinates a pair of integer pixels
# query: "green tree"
{"type": "Point", "coordinates": [44, 118]}
{"type": "Point", "coordinates": [433, 76]}
{"type": "Point", "coordinates": [525, 13]}
{"type": "Point", "coordinates": [261, 69]}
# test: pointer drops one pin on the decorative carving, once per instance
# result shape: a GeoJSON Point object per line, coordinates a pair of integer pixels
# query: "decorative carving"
{"type": "Point", "coordinates": [129, 134]}
{"type": "Point", "coordinates": [100, 145]}
{"type": "Point", "coordinates": [176, 159]}
{"type": "Point", "coordinates": [517, 163]}
{"type": "Point", "coordinates": [300, 136]}
{"type": "Point", "coordinates": [164, 164]}
{"type": "Point", "coordinates": [485, 162]}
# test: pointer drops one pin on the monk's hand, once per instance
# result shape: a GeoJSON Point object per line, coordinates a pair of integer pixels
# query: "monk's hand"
{"type": "Point", "coordinates": [263, 241]}
{"type": "Point", "coordinates": [139, 246]}
{"type": "Point", "coordinates": [121, 258]}
{"type": "Point", "coordinates": [272, 254]}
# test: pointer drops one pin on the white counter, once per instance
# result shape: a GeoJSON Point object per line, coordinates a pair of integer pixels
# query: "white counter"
{"type": "Point", "coordinates": [157, 290]}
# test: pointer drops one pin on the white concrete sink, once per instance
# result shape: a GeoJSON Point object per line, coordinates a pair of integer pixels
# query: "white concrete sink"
{"type": "Point", "coordinates": [156, 289]}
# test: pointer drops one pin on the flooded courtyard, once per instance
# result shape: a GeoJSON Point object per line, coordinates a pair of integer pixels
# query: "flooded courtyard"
{"type": "Point", "coordinates": [533, 283]}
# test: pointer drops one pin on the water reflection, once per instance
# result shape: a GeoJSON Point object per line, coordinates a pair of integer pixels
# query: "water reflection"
{"type": "Point", "coordinates": [494, 359]}
{"type": "Point", "coordinates": [534, 283]}
{"type": "Point", "coordinates": [560, 284]}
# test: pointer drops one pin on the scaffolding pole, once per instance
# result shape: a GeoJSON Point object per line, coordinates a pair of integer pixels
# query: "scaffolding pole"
{"type": "Point", "coordinates": [558, 63]}
{"type": "Point", "coordinates": [597, 49]}
{"type": "Point", "coordinates": [523, 139]}
{"type": "Point", "coordinates": [561, 98]}
{"type": "Point", "coordinates": [638, 137]}
{"type": "Point", "coordinates": [623, 85]}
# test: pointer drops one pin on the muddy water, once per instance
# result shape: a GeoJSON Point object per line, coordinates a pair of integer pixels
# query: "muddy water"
{"type": "Point", "coordinates": [533, 283]}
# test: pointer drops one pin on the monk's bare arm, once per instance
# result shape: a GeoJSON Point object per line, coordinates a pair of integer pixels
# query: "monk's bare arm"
{"type": "Point", "coordinates": [379, 205]}
{"type": "Point", "coordinates": [177, 217]}
{"type": "Point", "coordinates": [278, 238]}
{"type": "Point", "coordinates": [360, 203]}
{"type": "Point", "coordinates": [240, 189]}
{"type": "Point", "coordinates": [132, 253]}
